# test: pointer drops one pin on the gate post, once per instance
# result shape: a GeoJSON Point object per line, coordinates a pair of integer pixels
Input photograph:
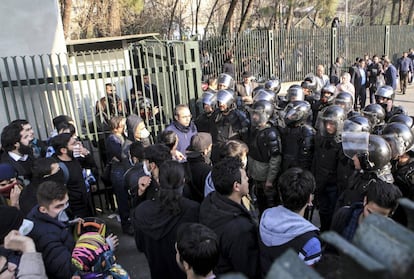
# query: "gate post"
{"type": "Point", "coordinates": [387, 40]}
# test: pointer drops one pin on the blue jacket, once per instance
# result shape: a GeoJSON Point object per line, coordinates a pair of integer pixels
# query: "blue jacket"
{"type": "Point", "coordinates": [184, 134]}
{"type": "Point", "coordinates": [55, 242]}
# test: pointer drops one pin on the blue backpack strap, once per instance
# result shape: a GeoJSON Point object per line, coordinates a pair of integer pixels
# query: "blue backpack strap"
{"type": "Point", "coordinates": [65, 172]}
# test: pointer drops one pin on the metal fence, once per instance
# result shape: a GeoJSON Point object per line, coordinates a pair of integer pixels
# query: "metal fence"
{"type": "Point", "coordinates": [40, 87]}
{"type": "Point", "coordinates": [291, 55]}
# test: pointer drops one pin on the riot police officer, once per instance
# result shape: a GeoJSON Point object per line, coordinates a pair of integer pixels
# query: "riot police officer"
{"type": "Point", "coordinates": [329, 162]}
{"type": "Point", "coordinates": [376, 116]}
{"type": "Point", "coordinates": [209, 102]}
{"type": "Point", "coordinates": [385, 97]}
{"type": "Point", "coordinates": [264, 161]}
{"type": "Point", "coordinates": [297, 137]}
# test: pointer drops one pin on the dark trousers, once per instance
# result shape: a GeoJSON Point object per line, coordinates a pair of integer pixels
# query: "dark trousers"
{"type": "Point", "coordinates": [372, 91]}
{"type": "Point", "coordinates": [361, 97]}
{"type": "Point", "coordinates": [122, 198]}
{"type": "Point", "coordinates": [403, 81]}
{"type": "Point", "coordinates": [326, 199]}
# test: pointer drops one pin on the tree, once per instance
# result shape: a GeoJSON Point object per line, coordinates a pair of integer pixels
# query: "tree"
{"type": "Point", "coordinates": [65, 9]}
{"type": "Point", "coordinates": [226, 24]}
{"type": "Point", "coordinates": [245, 15]}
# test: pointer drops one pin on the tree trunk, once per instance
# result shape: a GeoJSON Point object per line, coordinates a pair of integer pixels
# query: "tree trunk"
{"type": "Point", "coordinates": [209, 18]}
{"type": "Point", "coordinates": [66, 10]}
{"type": "Point", "coordinates": [196, 16]}
{"type": "Point", "coordinates": [393, 9]}
{"type": "Point", "coordinates": [371, 13]}
{"type": "Point", "coordinates": [289, 19]}
{"type": "Point", "coordinates": [400, 13]}
{"type": "Point", "coordinates": [226, 24]}
{"type": "Point", "coordinates": [410, 13]}
{"type": "Point", "coordinates": [114, 18]}
{"type": "Point", "coordinates": [245, 16]}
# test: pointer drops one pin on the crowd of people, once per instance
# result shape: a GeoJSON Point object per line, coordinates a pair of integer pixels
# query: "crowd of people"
{"type": "Point", "coordinates": [227, 191]}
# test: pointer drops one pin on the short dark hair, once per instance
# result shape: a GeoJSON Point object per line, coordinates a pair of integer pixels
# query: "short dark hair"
{"type": "Point", "coordinates": [157, 153]}
{"type": "Point", "coordinates": [384, 194]}
{"type": "Point", "coordinates": [179, 107]}
{"type": "Point", "coordinates": [58, 120]}
{"type": "Point", "coordinates": [167, 137]}
{"type": "Point", "coordinates": [225, 173]}
{"type": "Point", "coordinates": [10, 136]}
{"type": "Point", "coordinates": [60, 141]}
{"type": "Point", "coordinates": [49, 191]}
{"type": "Point", "coordinates": [235, 148]}
{"type": "Point", "coordinates": [42, 167]}
{"type": "Point", "coordinates": [295, 187]}
{"type": "Point", "coordinates": [198, 246]}
{"type": "Point", "coordinates": [20, 122]}
{"type": "Point", "coordinates": [136, 149]}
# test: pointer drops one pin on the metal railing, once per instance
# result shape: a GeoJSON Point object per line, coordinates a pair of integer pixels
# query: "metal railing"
{"type": "Point", "coordinates": [291, 55]}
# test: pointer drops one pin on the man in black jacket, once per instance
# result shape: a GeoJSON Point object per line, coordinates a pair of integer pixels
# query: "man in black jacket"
{"type": "Point", "coordinates": [223, 212]}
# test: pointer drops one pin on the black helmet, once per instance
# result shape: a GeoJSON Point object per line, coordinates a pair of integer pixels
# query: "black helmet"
{"type": "Point", "coordinates": [357, 123]}
{"type": "Point", "coordinates": [295, 93]}
{"type": "Point", "coordinates": [209, 98]}
{"type": "Point", "coordinates": [399, 136]}
{"type": "Point", "coordinates": [226, 80]}
{"type": "Point", "coordinates": [385, 91]}
{"type": "Point", "coordinates": [375, 113]}
{"type": "Point", "coordinates": [402, 118]}
{"type": "Point", "coordinates": [225, 97]}
{"type": "Point", "coordinates": [264, 94]}
{"type": "Point", "coordinates": [310, 82]}
{"type": "Point", "coordinates": [296, 113]}
{"type": "Point", "coordinates": [345, 100]}
{"type": "Point", "coordinates": [379, 154]}
{"type": "Point", "coordinates": [333, 114]}
{"type": "Point", "coordinates": [373, 152]}
{"type": "Point", "coordinates": [330, 91]}
{"type": "Point", "coordinates": [274, 85]}
{"type": "Point", "coordinates": [260, 112]}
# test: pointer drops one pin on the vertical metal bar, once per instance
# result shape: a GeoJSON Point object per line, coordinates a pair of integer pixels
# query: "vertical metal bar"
{"type": "Point", "coordinates": [19, 84]}
{"type": "Point", "coordinates": [387, 40]}
{"type": "Point", "coordinates": [4, 97]}
{"type": "Point", "coordinates": [6, 64]}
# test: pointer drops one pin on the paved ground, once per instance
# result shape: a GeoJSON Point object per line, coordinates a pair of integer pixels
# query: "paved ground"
{"type": "Point", "coordinates": [135, 262]}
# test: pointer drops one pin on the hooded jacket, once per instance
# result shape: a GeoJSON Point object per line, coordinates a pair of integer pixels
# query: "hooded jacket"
{"type": "Point", "coordinates": [281, 229]}
{"type": "Point", "coordinates": [237, 234]}
{"type": "Point", "coordinates": [155, 235]}
{"type": "Point", "coordinates": [132, 123]}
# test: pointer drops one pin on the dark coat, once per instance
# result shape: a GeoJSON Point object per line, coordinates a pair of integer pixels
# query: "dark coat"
{"type": "Point", "coordinates": [155, 235]}
{"type": "Point", "coordinates": [198, 170]}
{"type": "Point", "coordinates": [55, 242]}
{"type": "Point", "coordinates": [237, 234]}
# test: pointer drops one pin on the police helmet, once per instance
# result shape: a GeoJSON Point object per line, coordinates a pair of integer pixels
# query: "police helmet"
{"type": "Point", "coordinates": [402, 118]}
{"type": "Point", "coordinates": [264, 94]}
{"type": "Point", "coordinates": [378, 156]}
{"type": "Point", "coordinates": [225, 97]}
{"type": "Point", "coordinates": [385, 91]}
{"type": "Point", "coordinates": [209, 98]}
{"type": "Point", "coordinates": [296, 113]}
{"type": "Point", "coordinates": [345, 100]}
{"type": "Point", "coordinates": [226, 80]}
{"type": "Point", "coordinates": [333, 114]}
{"type": "Point", "coordinates": [329, 90]}
{"type": "Point", "coordinates": [399, 136]}
{"type": "Point", "coordinates": [261, 111]}
{"type": "Point", "coordinates": [295, 93]}
{"type": "Point", "coordinates": [357, 123]}
{"type": "Point", "coordinates": [375, 113]}
{"type": "Point", "coordinates": [274, 85]}
{"type": "Point", "coordinates": [311, 82]}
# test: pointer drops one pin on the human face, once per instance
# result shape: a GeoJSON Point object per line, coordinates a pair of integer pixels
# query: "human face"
{"type": "Point", "coordinates": [372, 207]}
{"type": "Point", "coordinates": [207, 108]}
{"type": "Point", "coordinates": [320, 70]}
{"type": "Point", "coordinates": [223, 107]}
{"type": "Point", "coordinates": [110, 89]}
{"type": "Point", "coordinates": [8, 270]}
{"type": "Point", "coordinates": [55, 207]}
{"type": "Point", "coordinates": [140, 127]}
{"type": "Point", "coordinates": [27, 128]}
{"type": "Point", "coordinates": [72, 144]}
{"type": "Point", "coordinates": [184, 117]}
{"type": "Point", "coordinates": [330, 127]}
{"type": "Point", "coordinates": [244, 184]}
{"type": "Point", "coordinates": [146, 79]}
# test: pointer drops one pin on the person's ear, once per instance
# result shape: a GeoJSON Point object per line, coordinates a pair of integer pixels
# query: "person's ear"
{"type": "Point", "coordinates": [185, 265]}
{"type": "Point", "coordinates": [236, 186]}
{"type": "Point", "coordinates": [42, 209]}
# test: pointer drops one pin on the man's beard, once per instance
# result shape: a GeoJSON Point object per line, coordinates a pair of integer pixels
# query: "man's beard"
{"type": "Point", "coordinates": [25, 149]}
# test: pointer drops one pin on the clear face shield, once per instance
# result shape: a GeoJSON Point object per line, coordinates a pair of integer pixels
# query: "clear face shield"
{"type": "Point", "coordinates": [258, 117]}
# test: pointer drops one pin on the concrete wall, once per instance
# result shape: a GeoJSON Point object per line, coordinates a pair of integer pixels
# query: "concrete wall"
{"type": "Point", "coordinates": [29, 27]}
